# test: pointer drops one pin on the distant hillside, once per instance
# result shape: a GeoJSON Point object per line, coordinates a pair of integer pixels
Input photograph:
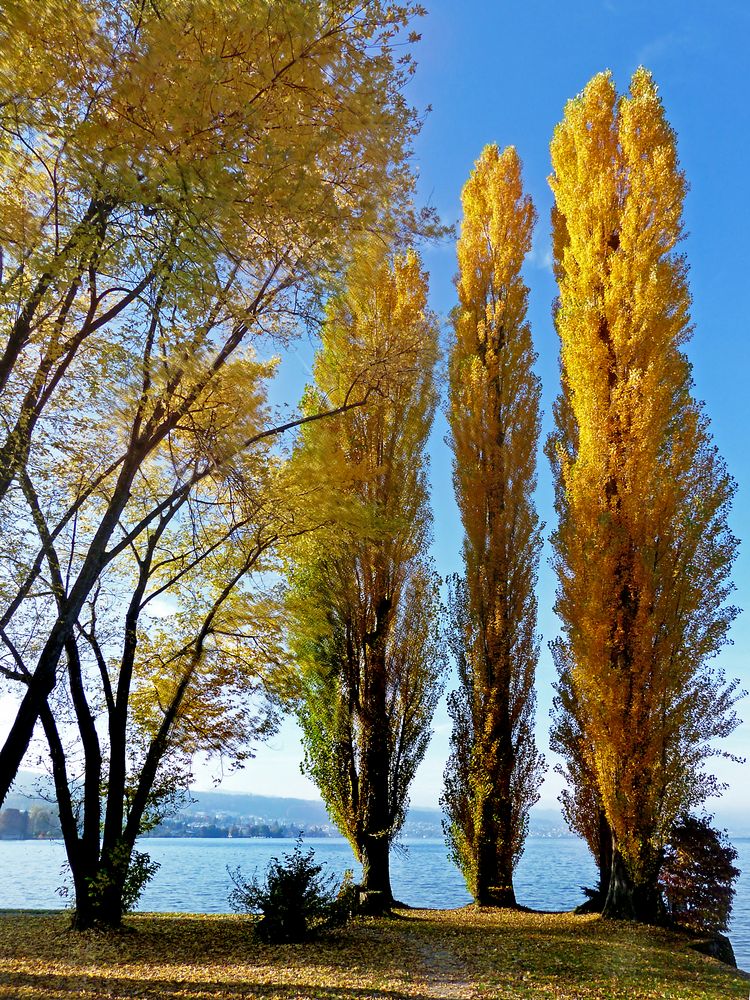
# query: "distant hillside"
{"type": "Point", "coordinates": [265, 807]}
{"type": "Point", "coordinates": [421, 821]}
{"type": "Point", "coordinates": [30, 788]}
{"type": "Point", "coordinates": [291, 812]}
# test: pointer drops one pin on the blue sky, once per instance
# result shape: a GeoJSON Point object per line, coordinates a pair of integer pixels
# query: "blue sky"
{"type": "Point", "coordinates": [501, 72]}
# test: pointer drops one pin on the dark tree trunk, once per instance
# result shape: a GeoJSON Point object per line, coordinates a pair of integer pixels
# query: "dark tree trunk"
{"type": "Point", "coordinates": [494, 873]}
{"type": "Point", "coordinates": [605, 856]}
{"type": "Point", "coordinates": [620, 902]}
{"type": "Point", "coordinates": [497, 894]}
{"type": "Point", "coordinates": [108, 909]}
{"type": "Point", "coordinates": [84, 917]}
{"type": "Point", "coordinates": [44, 678]}
{"type": "Point", "coordinates": [627, 900]}
{"type": "Point", "coordinates": [82, 851]}
{"type": "Point", "coordinates": [101, 909]}
{"type": "Point", "coordinates": [376, 818]}
{"type": "Point", "coordinates": [375, 835]}
{"type": "Point", "coordinates": [494, 837]}
{"type": "Point", "coordinates": [98, 906]}
{"type": "Point", "coordinates": [19, 737]}
{"type": "Point", "coordinates": [376, 866]}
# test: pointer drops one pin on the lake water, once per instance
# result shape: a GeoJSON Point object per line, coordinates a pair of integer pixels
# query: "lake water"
{"type": "Point", "coordinates": [193, 875]}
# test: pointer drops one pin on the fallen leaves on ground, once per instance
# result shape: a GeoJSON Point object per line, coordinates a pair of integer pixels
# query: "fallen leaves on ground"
{"type": "Point", "coordinates": [415, 954]}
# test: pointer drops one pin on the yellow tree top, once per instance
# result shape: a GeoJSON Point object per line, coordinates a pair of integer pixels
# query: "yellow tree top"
{"type": "Point", "coordinates": [617, 219]}
{"type": "Point", "coordinates": [494, 394]}
{"type": "Point", "coordinates": [379, 347]}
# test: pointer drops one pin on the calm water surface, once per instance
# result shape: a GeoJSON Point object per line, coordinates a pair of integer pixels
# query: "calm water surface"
{"type": "Point", "coordinates": [193, 875]}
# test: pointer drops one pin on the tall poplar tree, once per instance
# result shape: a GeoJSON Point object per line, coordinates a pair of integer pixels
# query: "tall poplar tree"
{"type": "Point", "coordinates": [364, 603]}
{"type": "Point", "coordinates": [643, 550]}
{"type": "Point", "coordinates": [494, 771]}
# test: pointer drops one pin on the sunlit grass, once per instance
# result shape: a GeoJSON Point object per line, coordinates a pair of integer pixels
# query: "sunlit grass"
{"type": "Point", "coordinates": [419, 954]}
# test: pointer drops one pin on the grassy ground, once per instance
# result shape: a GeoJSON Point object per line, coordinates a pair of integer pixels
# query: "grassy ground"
{"type": "Point", "coordinates": [420, 954]}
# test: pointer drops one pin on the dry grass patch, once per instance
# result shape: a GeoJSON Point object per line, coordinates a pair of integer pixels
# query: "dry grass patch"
{"type": "Point", "coordinates": [418, 954]}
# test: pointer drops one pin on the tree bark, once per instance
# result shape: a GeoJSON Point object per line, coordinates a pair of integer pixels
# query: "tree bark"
{"type": "Point", "coordinates": [376, 866]}
{"type": "Point", "coordinates": [628, 900]}
{"type": "Point", "coordinates": [494, 878]}
{"type": "Point", "coordinates": [606, 851]}
{"type": "Point", "coordinates": [494, 838]}
{"type": "Point", "coordinates": [376, 820]}
{"type": "Point", "coordinates": [375, 835]}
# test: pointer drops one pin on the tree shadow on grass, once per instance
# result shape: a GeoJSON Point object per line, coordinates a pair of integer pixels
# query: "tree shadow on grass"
{"type": "Point", "coordinates": [184, 956]}
{"type": "Point", "coordinates": [46, 986]}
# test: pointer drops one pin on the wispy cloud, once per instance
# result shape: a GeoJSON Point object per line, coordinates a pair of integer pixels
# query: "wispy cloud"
{"type": "Point", "coordinates": [540, 257]}
{"type": "Point", "coordinates": [673, 43]}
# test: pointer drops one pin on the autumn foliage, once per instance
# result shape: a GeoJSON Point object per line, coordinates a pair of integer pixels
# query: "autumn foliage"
{"type": "Point", "coordinates": [494, 769]}
{"type": "Point", "coordinates": [184, 188]}
{"type": "Point", "coordinates": [365, 604]}
{"type": "Point", "coordinates": [643, 550]}
{"type": "Point", "coordinates": [178, 184]}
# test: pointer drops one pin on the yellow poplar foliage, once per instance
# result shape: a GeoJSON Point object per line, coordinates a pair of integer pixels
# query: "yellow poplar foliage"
{"type": "Point", "coordinates": [643, 551]}
{"type": "Point", "coordinates": [364, 603]}
{"type": "Point", "coordinates": [494, 420]}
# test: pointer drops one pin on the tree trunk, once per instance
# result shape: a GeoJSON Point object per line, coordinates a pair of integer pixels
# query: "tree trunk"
{"type": "Point", "coordinates": [605, 858]}
{"type": "Point", "coordinates": [376, 866]}
{"type": "Point", "coordinates": [376, 820]}
{"type": "Point", "coordinates": [628, 900]}
{"type": "Point", "coordinates": [494, 878]}
{"type": "Point", "coordinates": [44, 678]}
{"type": "Point", "coordinates": [101, 910]}
{"type": "Point", "coordinates": [84, 918]}
{"type": "Point", "coordinates": [494, 838]}
{"type": "Point", "coordinates": [19, 737]}
{"type": "Point", "coordinates": [497, 895]}
{"type": "Point", "coordinates": [109, 905]}
{"type": "Point", "coordinates": [375, 835]}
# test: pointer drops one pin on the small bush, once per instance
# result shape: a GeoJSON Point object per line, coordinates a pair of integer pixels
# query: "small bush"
{"type": "Point", "coordinates": [698, 875]}
{"type": "Point", "coordinates": [296, 900]}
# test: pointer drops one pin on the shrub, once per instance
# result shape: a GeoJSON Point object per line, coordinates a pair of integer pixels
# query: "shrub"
{"type": "Point", "coordinates": [698, 875]}
{"type": "Point", "coordinates": [296, 900]}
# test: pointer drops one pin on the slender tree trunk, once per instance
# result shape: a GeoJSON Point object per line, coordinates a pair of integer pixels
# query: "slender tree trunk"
{"type": "Point", "coordinates": [82, 854]}
{"type": "Point", "coordinates": [494, 838]}
{"type": "Point", "coordinates": [39, 690]}
{"type": "Point", "coordinates": [84, 916]}
{"type": "Point", "coordinates": [376, 819]}
{"type": "Point", "coordinates": [44, 678]}
{"type": "Point", "coordinates": [375, 838]}
{"type": "Point", "coordinates": [606, 854]}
